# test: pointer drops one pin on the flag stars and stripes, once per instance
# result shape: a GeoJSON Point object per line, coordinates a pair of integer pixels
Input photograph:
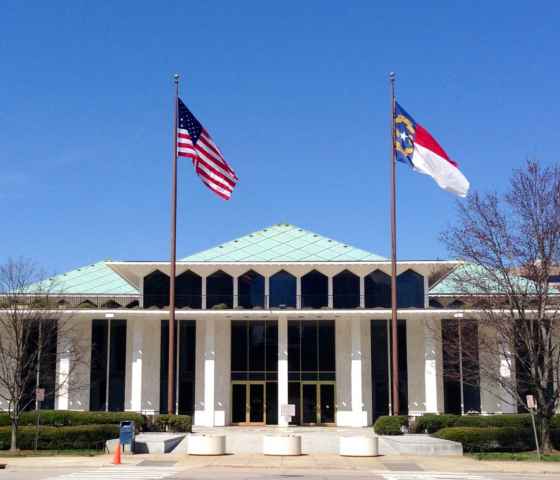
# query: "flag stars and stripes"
{"type": "Point", "coordinates": [194, 142]}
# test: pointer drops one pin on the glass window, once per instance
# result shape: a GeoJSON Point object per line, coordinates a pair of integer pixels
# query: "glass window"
{"type": "Point", "coordinates": [309, 350]}
{"type": "Point", "coordinates": [254, 349]}
{"type": "Point", "coordinates": [282, 290]}
{"type": "Point", "coordinates": [187, 366]}
{"type": "Point", "coordinates": [410, 290]}
{"type": "Point", "coordinates": [377, 287]}
{"type": "Point", "coordinates": [346, 290]}
{"type": "Point", "coordinates": [294, 348]}
{"type": "Point", "coordinates": [156, 290]}
{"type": "Point", "coordinates": [188, 290]}
{"type": "Point", "coordinates": [257, 345]}
{"type": "Point", "coordinates": [117, 365]}
{"type": "Point", "coordinates": [314, 290]}
{"type": "Point", "coordinates": [219, 290]}
{"type": "Point", "coordinates": [327, 346]}
{"type": "Point", "coordinates": [251, 290]}
{"type": "Point", "coordinates": [164, 364]}
{"type": "Point", "coordinates": [98, 368]}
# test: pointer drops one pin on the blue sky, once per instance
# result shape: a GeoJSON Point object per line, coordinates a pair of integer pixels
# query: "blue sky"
{"type": "Point", "coordinates": [296, 95]}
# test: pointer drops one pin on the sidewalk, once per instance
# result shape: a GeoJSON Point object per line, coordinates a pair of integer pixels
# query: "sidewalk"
{"type": "Point", "coordinates": [316, 462]}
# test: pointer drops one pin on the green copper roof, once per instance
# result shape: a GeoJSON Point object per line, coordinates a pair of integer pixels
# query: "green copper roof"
{"type": "Point", "coordinates": [96, 279]}
{"type": "Point", "coordinates": [283, 243]}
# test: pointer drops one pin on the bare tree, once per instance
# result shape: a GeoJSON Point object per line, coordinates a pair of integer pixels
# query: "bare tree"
{"type": "Point", "coordinates": [511, 244]}
{"type": "Point", "coordinates": [34, 336]}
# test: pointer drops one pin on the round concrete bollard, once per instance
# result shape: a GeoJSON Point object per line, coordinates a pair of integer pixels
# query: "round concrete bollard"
{"type": "Point", "coordinates": [282, 445]}
{"type": "Point", "coordinates": [359, 446]}
{"type": "Point", "coordinates": [200, 444]}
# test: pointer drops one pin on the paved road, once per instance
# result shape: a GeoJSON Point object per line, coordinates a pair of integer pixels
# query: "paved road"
{"type": "Point", "coordinates": [136, 472]}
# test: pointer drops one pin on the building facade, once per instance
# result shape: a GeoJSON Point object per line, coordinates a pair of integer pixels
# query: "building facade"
{"type": "Point", "coordinates": [279, 317]}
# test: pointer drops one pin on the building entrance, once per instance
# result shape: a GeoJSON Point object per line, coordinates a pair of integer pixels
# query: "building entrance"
{"type": "Point", "coordinates": [248, 403]}
{"type": "Point", "coordinates": [314, 401]}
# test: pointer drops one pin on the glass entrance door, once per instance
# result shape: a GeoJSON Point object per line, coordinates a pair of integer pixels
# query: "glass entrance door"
{"type": "Point", "coordinates": [248, 403]}
{"type": "Point", "coordinates": [318, 403]}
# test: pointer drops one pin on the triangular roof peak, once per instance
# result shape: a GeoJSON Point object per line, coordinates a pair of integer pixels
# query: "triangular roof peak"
{"type": "Point", "coordinates": [283, 243]}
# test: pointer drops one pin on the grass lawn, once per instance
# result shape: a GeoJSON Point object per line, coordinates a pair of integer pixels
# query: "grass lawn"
{"type": "Point", "coordinates": [50, 453]}
{"type": "Point", "coordinates": [518, 457]}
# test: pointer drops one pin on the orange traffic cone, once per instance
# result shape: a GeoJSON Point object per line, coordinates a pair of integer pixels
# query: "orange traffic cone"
{"type": "Point", "coordinates": [117, 457]}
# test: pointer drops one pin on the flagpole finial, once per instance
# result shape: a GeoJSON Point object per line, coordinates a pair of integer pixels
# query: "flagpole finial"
{"type": "Point", "coordinates": [392, 76]}
{"type": "Point", "coordinates": [176, 78]}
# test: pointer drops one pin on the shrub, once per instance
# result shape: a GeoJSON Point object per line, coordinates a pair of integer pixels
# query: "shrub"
{"type": "Point", "coordinates": [171, 423]}
{"type": "Point", "coordinates": [61, 438]}
{"type": "Point", "coordinates": [483, 421]}
{"type": "Point", "coordinates": [432, 422]}
{"type": "Point", "coordinates": [61, 418]}
{"type": "Point", "coordinates": [489, 439]}
{"type": "Point", "coordinates": [390, 425]}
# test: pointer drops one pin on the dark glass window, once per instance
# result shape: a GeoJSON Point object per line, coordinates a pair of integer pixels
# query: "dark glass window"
{"type": "Point", "coordinates": [188, 290]}
{"type": "Point", "coordinates": [346, 290]}
{"type": "Point", "coordinates": [283, 290]}
{"type": "Point", "coordinates": [39, 338]}
{"type": "Point", "coordinates": [314, 290]}
{"type": "Point", "coordinates": [451, 369]}
{"type": "Point", "coordinates": [294, 398]}
{"type": "Point", "coordinates": [164, 364]}
{"type": "Point", "coordinates": [254, 349]}
{"type": "Point", "coordinates": [98, 365]}
{"type": "Point", "coordinates": [251, 290]}
{"type": "Point", "coordinates": [410, 290]}
{"type": "Point", "coordinates": [187, 366]}
{"type": "Point", "coordinates": [156, 290]}
{"type": "Point", "coordinates": [271, 403]}
{"type": "Point", "coordinates": [435, 303]}
{"type": "Point", "coordinates": [311, 350]}
{"type": "Point", "coordinates": [117, 365]}
{"type": "Point", "coordinates": [377, 286]}
{"type": "Point", "coordinates": [309, 347]}
{"type": "Point", "coordinates": [380, 345]}
{"type": "Point", "coordinates": [219, 290]}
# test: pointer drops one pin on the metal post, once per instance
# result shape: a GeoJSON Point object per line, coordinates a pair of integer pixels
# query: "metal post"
{"type": "Point", "coordinates": [171, 347]}
{"type": "Point", "coordinates": [394, 352]}
{"type": "Point", "coordinates": [461, 366]}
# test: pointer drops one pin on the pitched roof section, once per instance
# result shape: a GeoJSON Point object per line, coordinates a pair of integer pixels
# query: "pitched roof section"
{"type": "Point", "coordinates": [283, 243]}
{"type": "Point", "coordinates": [97, 279]}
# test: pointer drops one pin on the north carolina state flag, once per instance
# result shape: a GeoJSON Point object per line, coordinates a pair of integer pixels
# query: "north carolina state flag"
{"type": "Point", "coordinates": [414, 145]}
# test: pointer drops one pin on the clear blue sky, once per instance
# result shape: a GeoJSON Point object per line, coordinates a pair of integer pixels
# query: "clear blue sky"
{"type": "Point", "coordinates": [294, 92]}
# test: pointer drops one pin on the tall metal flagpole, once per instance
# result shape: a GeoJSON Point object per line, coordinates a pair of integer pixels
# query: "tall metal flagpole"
{"type": "Point", "coordinates": [394, 342]}
{"type": "Point", "coordinates": [171, 330]}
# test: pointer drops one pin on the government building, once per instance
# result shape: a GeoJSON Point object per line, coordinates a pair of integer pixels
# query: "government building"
{"type": "Point", "coordinates": [278, 317]}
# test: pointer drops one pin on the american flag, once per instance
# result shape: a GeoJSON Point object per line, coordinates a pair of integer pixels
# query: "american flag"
{"type": "Point", "coordinates": [194, 142]}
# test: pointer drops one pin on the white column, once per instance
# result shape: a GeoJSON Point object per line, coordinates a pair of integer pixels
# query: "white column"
{"type": "Point", "coordinates": [267, 292]}
{"type": "Point", "coordinates": [432, 349]}
{"type": "Point", "coordinates": [356, 374]}
{"type": "Point", "coordinates": [235, 292]}
{"type": "Point", "coordinates": [282, 368]}
{"type": "Point", "coordinates": [203, 292]}
{"type": "Point", "coordinates": [136, 376]}
{"type": "Point", "coordinates": [426, 290]}
{"type": "Point", "coordinates": [362, 292]}
{"type": "Point", "coordinates": [298, 293]}
{"type": "Point", "coordinates": [63, 373]}
{"type": "Point", "coordinates": [330, 291]}
{"type": "Point", "coordinates": [209, 374]}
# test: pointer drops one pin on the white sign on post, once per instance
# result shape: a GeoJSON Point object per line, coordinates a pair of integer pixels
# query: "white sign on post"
{"type": "Point", "coordinates": [288, 410]}
{"type": "Point", "coordinates": [40, 394]}
{"type": "Point", "coordinates": [531, 404]}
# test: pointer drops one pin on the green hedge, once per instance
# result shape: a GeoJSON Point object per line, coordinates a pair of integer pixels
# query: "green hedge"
{"type": "Point", "coordinates": [61, 418]}
{"type": "Point", "coordinates": [61, 438]}
{"type": "Point", "coordinates": [170, 423]}
{"type": "Point", "coordinates": [489, 439]}
{"type": "Point", "coordinates": [431, 423]}
{"type": "Point", "coordinates": [390, 425]}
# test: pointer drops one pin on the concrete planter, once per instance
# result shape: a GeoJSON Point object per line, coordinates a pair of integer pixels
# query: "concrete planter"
{"type": "Point", "coordinates": [359, 446]}
{"type": "Point", "coordinates": [282, 445]}
{"type": "Point", "coordinates": [199, 444]}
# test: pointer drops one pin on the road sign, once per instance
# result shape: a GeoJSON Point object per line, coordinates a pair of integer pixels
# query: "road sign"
{"type": "Point", "coordinates": [531, 404]}
{"type": "Point", "coordinates": [40, 394]}
{"type": "Point", "coordinates": [288, 410]}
